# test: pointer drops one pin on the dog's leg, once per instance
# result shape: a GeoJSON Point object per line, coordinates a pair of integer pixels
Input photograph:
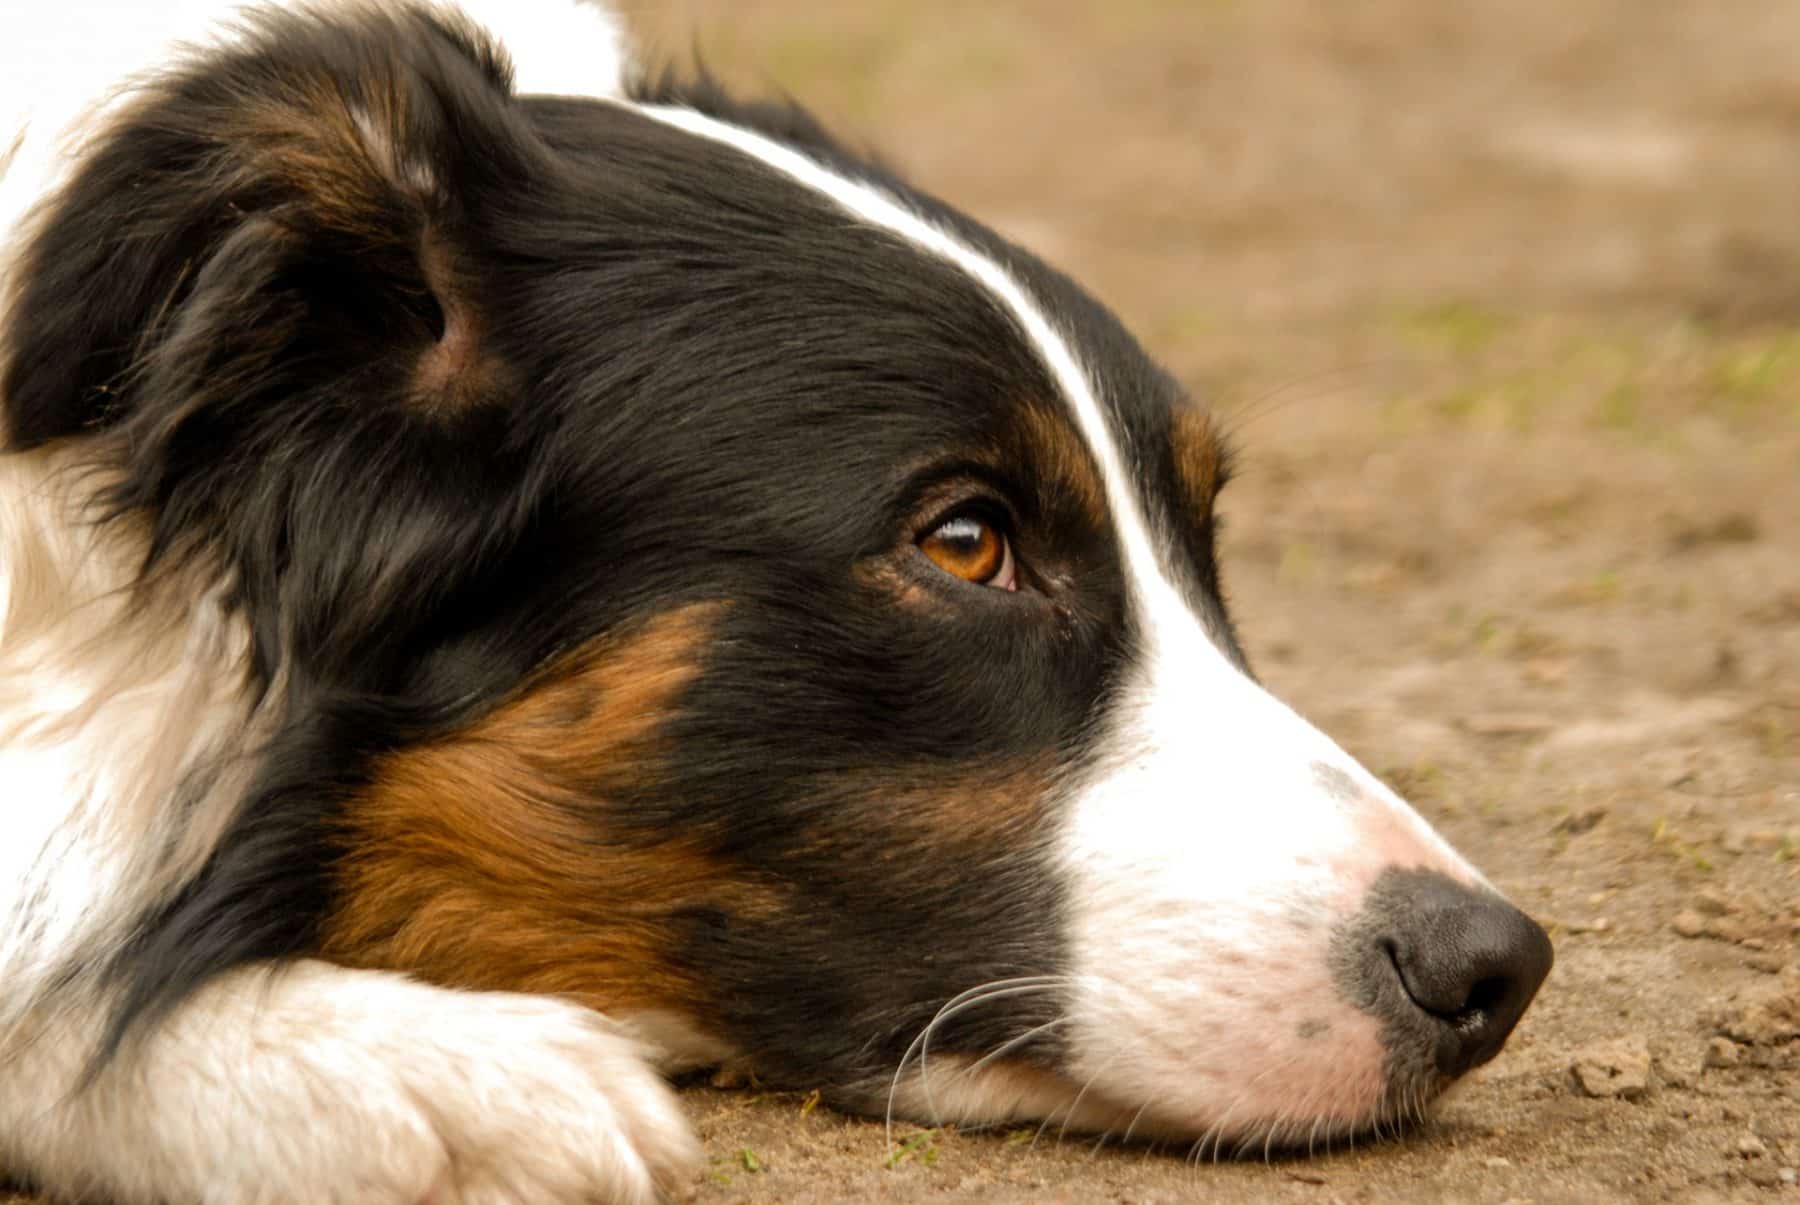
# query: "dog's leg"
{"type": "Point", "coordinates": [314, 1084]}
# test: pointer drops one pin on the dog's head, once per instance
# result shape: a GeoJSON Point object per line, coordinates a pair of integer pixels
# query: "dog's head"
{"type": "Point", "coordinates": [692, 571]}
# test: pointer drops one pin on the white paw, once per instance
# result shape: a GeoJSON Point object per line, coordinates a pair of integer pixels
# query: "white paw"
{"type": "Point", "coordinates": [540, 1101]}
{"type": "Point", "coordinates": [324, 1086]}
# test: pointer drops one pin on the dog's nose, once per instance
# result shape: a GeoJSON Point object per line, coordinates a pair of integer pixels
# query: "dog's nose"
{"type": "Point", "coordinates": [1472, 961]}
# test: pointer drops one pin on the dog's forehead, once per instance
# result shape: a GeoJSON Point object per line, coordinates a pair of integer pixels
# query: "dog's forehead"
{"type": "Point", "coordinates": [1151, 458]}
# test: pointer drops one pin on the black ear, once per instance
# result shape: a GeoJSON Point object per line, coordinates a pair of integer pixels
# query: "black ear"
{"type": "Point", "coordinates": [262, 297]}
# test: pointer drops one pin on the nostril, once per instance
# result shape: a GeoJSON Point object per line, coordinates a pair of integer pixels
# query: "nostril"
{"type": "Point", "coordinates": [1441, 984]}
{"type": "Point", "coordinates": [1471, 961]}
{"type": "Point", "coordinates": [1487, 994]}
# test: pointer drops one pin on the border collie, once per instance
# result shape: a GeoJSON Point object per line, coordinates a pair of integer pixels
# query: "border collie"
{"type": "Point", "coordinates": [515, 581]}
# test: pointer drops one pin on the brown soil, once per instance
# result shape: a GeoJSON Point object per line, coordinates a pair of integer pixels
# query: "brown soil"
{"type": "Point", "coordinates": [1502, 299]}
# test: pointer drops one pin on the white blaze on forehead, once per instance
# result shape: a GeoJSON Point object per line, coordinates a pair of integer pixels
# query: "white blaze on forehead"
{"type": "Point", "coordinates": [884, 211]}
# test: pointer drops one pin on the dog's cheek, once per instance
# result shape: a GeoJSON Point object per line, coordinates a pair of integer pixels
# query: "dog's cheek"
{"type": "Point", "coordinates": [897, 898]}
{"type": "Point", "coordinates": [487, 860]}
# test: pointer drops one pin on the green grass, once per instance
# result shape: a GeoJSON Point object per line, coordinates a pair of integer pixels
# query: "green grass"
{"type": "Point", "coordinates": [919, 1148]}
{"type": "Point", "coordinates": [1664, 837]}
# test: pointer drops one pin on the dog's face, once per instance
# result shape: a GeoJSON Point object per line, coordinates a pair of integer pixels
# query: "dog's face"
{"type": "Point", "coordinates": [694, 573]}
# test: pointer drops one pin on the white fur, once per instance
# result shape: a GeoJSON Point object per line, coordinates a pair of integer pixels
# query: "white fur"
{"type": "Point", "coordinates": [1213, 857]}
{"type": "Point", "coordinates": [322, 1086]}
{"type": "Point", "coordinates": [112, 711]}
{"type": "Point", "coordinates": [1208, 862]}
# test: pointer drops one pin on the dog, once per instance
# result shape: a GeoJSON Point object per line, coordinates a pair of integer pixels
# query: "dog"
{"type": "Point", "coordinates": [520, 576]}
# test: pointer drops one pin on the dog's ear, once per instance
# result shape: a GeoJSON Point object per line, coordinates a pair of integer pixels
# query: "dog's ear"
{"type": "Point", "coordinates": [263, 296]}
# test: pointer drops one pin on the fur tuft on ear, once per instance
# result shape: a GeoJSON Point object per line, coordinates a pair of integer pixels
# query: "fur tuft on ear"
{"type": "Point", "coordinates": [310, 183]}
{"type": "Point", "coordinates": [261, 296]}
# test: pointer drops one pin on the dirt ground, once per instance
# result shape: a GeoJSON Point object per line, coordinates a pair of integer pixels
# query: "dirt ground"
{"type": "Point", "coordinates": [1502, 300]}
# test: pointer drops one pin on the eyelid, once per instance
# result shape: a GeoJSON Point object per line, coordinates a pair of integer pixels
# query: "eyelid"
{"type": "Point", "coordinates": [983, 507]}
{"type": "Point", "coordinates": [934, 492]}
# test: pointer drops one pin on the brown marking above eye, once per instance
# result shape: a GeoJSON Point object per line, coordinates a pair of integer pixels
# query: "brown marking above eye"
{"type": "Point", "coordinates": [1058, 457]}
{"type": "Point", "coordinates": [1198, 458]}
{"type": "Point", "coordinates": [972, 548]}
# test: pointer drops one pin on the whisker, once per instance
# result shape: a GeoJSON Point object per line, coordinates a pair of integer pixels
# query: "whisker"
{"type": "Point", "coordinates": [1011, 1044]}
{"type": "Point", "coordinates": [1069, 1113]}
{"type": "Point", "coordinates": [997, 989]}
{"type": "Point", "coordinates": [1134, 1120]}
{"type": "Point", "coordinates": [947, 1012]}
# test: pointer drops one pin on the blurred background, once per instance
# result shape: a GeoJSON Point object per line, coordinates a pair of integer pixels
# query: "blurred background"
{"type": "Point", "coordinates": [1501, 300]}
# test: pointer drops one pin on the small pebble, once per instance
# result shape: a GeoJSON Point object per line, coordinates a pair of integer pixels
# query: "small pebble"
{"type": "Point", "coordinates": [1788, 1175]}
{"type": "Point", "coordinates": [1716, 903]}
{"type": "Point", "coordinates": [1723, 1052]}
{"type": "Point", "coordinates": [1726, 928]}
{"type": "Point", "coordinates": [1768, 1014]}
{"type": "Point", "coordinates": [1688, 923]}
{"type": "Point", "coordinates": [1617, 1069]}
{"type": "Point", "coordinates": [1497, 1162]}
{"type": "Point", "coordinates": [1681, 1068]}
{"type": "Point", "coordinates": [1578, 823]}
{"type": "Point", "coordinates": [1751, 1147]}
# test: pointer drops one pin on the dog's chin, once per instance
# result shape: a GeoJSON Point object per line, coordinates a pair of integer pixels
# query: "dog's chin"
{"type": "Point", "coordinates": [972, 1093]}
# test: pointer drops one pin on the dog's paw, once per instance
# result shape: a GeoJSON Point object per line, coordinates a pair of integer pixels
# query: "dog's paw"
{"type": "Point", "coordinates": [542, 1101]}
{"type": "Point", "coordinates": [521, 1099]}
{"type": "Point", "coordinates": [363, 1088]}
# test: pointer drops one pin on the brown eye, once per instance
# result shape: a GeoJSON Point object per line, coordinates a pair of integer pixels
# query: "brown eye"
{"type": "Point", "coordinates": [973, 549]}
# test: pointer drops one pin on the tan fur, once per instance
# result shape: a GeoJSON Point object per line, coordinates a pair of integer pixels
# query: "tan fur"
{"type": "Point", "coordinates": [1055, 451]}
{"type": "Point", "coordinates": [484, 860]}
{"type": "Point", "coordinates": [1194, 447]}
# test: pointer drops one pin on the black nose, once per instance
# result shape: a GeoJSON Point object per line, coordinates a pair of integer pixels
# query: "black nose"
{"type": "Point", "coordinates": [1469, 959]}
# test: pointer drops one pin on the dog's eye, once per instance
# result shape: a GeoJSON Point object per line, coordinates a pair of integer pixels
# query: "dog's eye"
{"type": "Point", "coordinates": [970, 547]}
